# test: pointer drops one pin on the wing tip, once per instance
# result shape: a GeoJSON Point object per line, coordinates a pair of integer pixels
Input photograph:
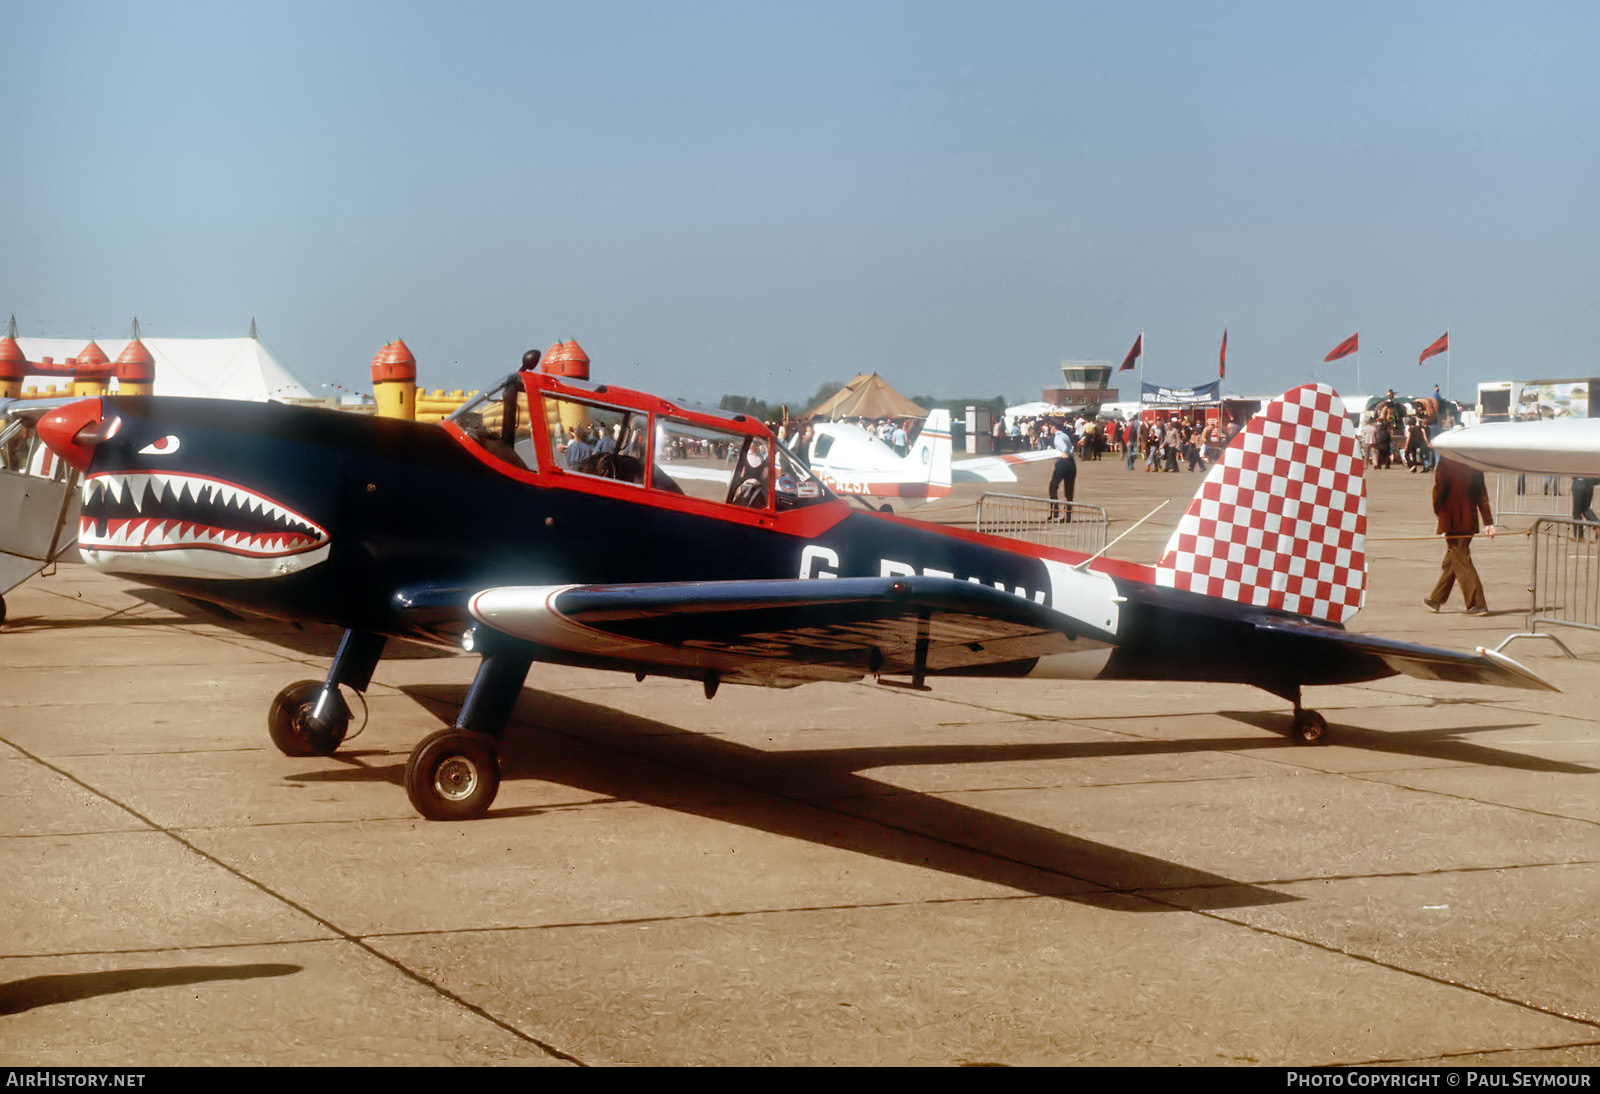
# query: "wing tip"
{"type": "Point", "coordinates": [1524, 676]}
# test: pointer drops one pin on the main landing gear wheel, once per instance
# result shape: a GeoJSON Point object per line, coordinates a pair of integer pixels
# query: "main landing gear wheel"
{"type": "Point", "coordinates": [453, 775]}
{"type": "Point", "coordinates": [1310, 728]}
{"type": "Point", "coordinates": [295, 727]}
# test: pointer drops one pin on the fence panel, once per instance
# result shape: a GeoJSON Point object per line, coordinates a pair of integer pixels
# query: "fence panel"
{"type": "Point", "coordinates": [1564, 579]}
{"type": "Point", "coordinates": [1531, 495]}
{"type": "Point", "coordinates": [1071, 526]}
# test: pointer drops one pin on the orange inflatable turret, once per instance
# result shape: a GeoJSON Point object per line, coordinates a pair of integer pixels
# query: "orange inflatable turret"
{"type": "Point", "coordinates": [566, 359]}
{"type": "Point", "coordinates": [394, 381]}
{"type": "Point", "coordinates": [13, 368]}
{"type": "Point", "coordinates": [135, 370]}
{"type": "Point", "coordinates": [91, 372]}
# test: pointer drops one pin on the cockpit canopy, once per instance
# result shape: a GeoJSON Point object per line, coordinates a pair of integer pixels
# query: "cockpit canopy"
{"type": "Point", "coordinates": [539, 423]}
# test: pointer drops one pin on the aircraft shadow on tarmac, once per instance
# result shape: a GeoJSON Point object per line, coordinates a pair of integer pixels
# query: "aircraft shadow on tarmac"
{"type": "Point", "coordinates": [821, 797]}
{"type": "Point", "coordinates": [308, 639]}
{"type": "Point", "coordinates": [305, 639]}
{"type": "Point", "coordinates": [43, 991]}
{"type": "Point", "coordinates": [1444, 743]}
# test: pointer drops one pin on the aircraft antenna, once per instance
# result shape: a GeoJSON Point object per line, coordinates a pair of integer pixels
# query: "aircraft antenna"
{"type": "Point", "coordinates": [1084, 565]}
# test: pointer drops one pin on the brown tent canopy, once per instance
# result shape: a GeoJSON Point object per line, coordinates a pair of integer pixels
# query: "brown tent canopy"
{"type": "Point", "coordinates": [866, 397]}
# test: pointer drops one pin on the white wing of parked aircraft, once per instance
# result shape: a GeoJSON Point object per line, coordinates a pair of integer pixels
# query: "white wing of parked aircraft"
{"type": "Point", "coordinates": [1556, 446]}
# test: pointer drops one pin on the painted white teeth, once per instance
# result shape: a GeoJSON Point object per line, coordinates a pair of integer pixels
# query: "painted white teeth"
{"type": "Point", "coordinates": [148, 530]}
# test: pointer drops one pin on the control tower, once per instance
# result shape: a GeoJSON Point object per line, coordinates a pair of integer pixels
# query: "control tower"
{"type": "Point", "coordinates": [1084, 385]}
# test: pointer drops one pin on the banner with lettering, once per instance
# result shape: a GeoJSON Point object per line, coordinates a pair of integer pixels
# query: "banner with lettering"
{"type": "Point", "coordinates": [1169, 396]}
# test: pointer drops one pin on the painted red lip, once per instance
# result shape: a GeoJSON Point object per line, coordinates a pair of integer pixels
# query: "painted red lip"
{"type": "Point", "coordinates": [72, 431]}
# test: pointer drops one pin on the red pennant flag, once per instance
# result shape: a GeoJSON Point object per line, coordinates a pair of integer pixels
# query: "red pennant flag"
{"type": "Point", "coordinates": [1345, 348]}
{"type": "Point", "coordinates": [1439, 346]}
{"type": "Point", "coordinates": [1133, 354]}
{"type": "Point", "coordinates": [1222, 358]}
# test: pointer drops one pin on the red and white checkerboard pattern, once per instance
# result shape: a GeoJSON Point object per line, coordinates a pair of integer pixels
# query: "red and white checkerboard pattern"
{"type": "Point", "coordinates": [1281, 521]}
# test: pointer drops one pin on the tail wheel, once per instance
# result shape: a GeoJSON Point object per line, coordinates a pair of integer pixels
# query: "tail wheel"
{"type": "Point", "coordinates": [1310, 728]}
{"type": "Point", "coordinates": [453, 775]}
{"type": "Point", "coordinates": [296, 728]}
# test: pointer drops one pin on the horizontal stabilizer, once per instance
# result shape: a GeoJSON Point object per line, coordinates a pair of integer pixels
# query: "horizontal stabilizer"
{"type": "Point", "coordinates": [1424, 662]}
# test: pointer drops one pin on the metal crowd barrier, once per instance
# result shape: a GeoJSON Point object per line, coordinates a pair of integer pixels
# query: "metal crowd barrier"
{"type": "Point", "coordinates": [1531, 495]}
{"type": "Point", "coordinates": [1565, 581]}
{"type": "Point", "coordinates": [1071, 526]}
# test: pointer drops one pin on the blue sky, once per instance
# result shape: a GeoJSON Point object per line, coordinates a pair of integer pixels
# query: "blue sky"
{"type": "Point", "coordinates": [756, 198]}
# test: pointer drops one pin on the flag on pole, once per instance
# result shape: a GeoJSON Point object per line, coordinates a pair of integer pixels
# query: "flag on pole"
{"type": "Point", "coordinates": [1222, 358]}
{"type": "Point", "coordinates": [1133, 354]}
{"type": "Point", "coordinates": [1345, 348]}
{"type": "Point", "coordinates": [1439, 346]}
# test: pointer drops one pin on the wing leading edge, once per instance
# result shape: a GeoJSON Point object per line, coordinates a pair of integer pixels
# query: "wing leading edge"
{"type": "Point", "coordinates": [781, 633]}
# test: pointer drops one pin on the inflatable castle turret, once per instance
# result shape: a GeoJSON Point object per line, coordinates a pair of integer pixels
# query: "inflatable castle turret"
{"type": "Point", "coordinates": [394, 381]}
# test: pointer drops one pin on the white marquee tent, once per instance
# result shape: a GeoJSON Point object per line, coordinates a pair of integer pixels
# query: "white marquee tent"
{"type": "Point", "coordinates": [218, 368]}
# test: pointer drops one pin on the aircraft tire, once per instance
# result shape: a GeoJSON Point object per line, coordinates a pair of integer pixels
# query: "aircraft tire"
{"type": "Point", "coordinates": [295, 732]}
{"type": "Point", "coordinates": [1310, 728]}
{"type": "Point", "coordinates": [2, 611]}
{"type": "Point", "coordinates": [453, 775]}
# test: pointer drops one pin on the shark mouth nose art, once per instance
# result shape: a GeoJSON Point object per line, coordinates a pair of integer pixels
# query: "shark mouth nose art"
{"type": "Point", "coordinates": [180, 524]}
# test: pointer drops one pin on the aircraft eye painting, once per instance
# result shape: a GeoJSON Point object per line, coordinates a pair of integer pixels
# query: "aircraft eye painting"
{"type": "Point", "coordinates": [164, 446]}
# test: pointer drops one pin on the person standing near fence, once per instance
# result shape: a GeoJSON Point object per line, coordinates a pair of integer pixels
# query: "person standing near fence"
{"type": "Point", "coordinates": [1459, 499]}
{"type": "Point", "coordinates": [1065, 474]}
{"type": "Point", "coordinates": [1583, 501]}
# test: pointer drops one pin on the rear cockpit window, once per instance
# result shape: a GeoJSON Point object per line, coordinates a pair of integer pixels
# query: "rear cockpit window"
{"type": "Point", "coordinates": [604, 441]}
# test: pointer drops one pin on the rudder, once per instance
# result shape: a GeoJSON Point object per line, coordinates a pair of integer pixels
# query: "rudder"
{"type": "Point", "coordinates": [933, 452]}
{"type": "Point", "coordinates": [1281, 519]}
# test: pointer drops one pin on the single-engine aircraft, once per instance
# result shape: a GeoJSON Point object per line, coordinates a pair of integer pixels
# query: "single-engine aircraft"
{"type": "Point", "coordinates": [851, 460]}
{"type": "Point", "coordinates": [538, 523]}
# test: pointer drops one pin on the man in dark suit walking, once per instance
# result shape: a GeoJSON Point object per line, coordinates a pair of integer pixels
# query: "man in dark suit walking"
{"type": "Point", "coordinates": [1459, 498]}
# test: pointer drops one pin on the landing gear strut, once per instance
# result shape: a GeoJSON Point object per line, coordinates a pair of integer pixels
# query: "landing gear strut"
{"type": "Point", "coordinates": [455, 773]}
{"type": "Point", "coordinates": [310, 717]}
{"type": "Point", "coordinates": [1310, 728]}
{"type": "Point", "coordinates": [299, 728]}
{"type": "Point", "coordinates": [1307, 727]}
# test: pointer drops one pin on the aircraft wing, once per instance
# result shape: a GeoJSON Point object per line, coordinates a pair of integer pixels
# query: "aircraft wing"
{"type": "Point", "coordinates": [1331, 645]}
{"type": "Point", "coordinates": [1559, 446]}
{"type": "Point", "coordinates": [786, 632]}
{"type": "Point", "coordinates": [997, 468]}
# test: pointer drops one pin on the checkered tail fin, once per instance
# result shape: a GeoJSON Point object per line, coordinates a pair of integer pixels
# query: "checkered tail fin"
{"type": "Point", "coordinates": [1281, 520]}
